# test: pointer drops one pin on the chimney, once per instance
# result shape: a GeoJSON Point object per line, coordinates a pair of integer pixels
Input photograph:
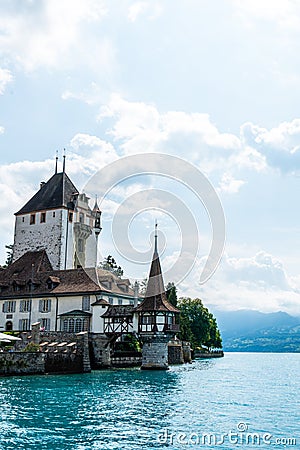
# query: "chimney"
{"type": "Point", "coordinates": [136, 294]}
{"type": "Point", "coordinates": [42, 184]}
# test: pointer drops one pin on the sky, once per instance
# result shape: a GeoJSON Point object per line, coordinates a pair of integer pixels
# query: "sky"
{"type": "Point", "coordinates": [216, 84]}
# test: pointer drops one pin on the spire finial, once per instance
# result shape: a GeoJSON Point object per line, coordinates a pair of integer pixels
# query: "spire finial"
{"type": "Point", "coordinates": [155, 238]}
{"type": "Point", "coordinates": [56, 161]}
{"type": "Point", "coordinates": [64, 160]}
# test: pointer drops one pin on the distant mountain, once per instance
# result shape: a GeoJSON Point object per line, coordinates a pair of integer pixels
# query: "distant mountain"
{"type": "Point", "coordinates": [253, 331]}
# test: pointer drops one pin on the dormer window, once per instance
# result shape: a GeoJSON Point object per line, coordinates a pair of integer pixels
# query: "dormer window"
{"type": "Point", "coordinates": [43, 217]}
{"type": "Point", "coordinates": [32, 219]}
{"type": "Point", "coordinates": [52, 282]}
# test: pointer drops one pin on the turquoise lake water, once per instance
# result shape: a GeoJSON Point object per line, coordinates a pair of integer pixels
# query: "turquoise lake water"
{"type": "Point", "coordinates": [251, 397]}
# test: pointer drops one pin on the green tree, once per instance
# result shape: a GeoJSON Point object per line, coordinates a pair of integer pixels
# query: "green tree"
{"type": "Point", "coordinates": [171, 292]}
{"type": "Point", "coordinates": [197, 324]}
{"type": "Point", "coordinates": [9, 256]}
{"type": "Point", "coordinates": [109, 263]}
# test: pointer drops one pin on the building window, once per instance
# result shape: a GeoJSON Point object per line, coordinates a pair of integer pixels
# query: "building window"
{"type": "Point", "coordinates": [45, 324]}
{"type": "Point", "coordinates": [23, 219]}
{"type": "Point", "coordinates": [45, 305]}
{"type": "Point", "coordinates": [70, 217]}
{"type": "Point", "coordinates": [53, 214]}
{"type": "Point", "coordinates": [107, 284]}
{"type": "Point", "coordinates": [9, 325]}
{"type": "Point", "coordinates": [43, 217]}
{"type": "Point", "coordinates": [32, 219]}
{"type": "Point", "coordinates": [86, 303]}
{"type": "Point", "coordinates": [120, 301]}
{"type": "Point", "coordinates": [70, 325]}
{"type": "Point", "coordinates": [25, 306]}
{"type": "Point", "coordinates": [81, 217]}
{"type": "Point", "coordinates": [9, 306]}
{"type": "Point", "coordinates": [24, 325]}
{"type": "Point", "coordinates": [78, 325]}
{"type": "Point", "coordinates": [80, 245]}
{"type": "Point", "coordinates": [111, 300]}
{"type": "Point", "coordinates": [147, 320]}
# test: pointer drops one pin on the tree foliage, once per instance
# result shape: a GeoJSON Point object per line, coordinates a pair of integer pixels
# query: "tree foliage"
{"type": "Point", "coordinates": [9, 256]}
{"type": "Point", "coordinates": [109, 263]}
{"type": "Point", "coordinates": [171, 292]}
{"type": "Point", "coordinates": [197, 324]}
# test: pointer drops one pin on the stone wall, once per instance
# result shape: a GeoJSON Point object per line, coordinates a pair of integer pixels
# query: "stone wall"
{"type": "Point", "coordinates": [41, 235]}
{"type": "Point", "coordinates": [187, 353]}
{"type": "Point", "coordinates": [126, 360]}
{"type": "Point", "coordinates": [155, 351]}
{"type": "Point", "coordinates": [63, 352]}
{"type": "Point", "coordinates": [17, 363]}
{"type": "Point", "coordinates": [100, 351]}
{"type": "Point", "coordinates": [175, 353]}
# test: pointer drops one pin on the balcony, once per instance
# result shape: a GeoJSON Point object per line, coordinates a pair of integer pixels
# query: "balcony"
{"type": "Point", "coordinates": [174, 327]}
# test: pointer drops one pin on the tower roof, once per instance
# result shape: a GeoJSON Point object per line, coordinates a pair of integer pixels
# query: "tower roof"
{"type": "Point", "coordinates": [155, 298]}
{"type": "Point", "coordinates": [56, 193]}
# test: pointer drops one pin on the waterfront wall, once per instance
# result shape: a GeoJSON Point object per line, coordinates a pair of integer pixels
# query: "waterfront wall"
{"type": "Point", "coordinates": [175, 353]}
{"type": "Point", "coordinates": [63, 352]}
{"type": "Point", "coordinates": [126, 360]}
{"type": "Point", "coordinates": [17, 363]}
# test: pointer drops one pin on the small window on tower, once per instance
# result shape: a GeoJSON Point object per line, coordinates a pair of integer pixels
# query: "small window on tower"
{"type": "Point", "coordinates": [43, 217]}
{"type": "Point", "coordinates": [81, 217]}
{"type": "Point", "coordinates": [32, 219]}
{"type": "Point", "coordinates": [23, 219]}
{"type": "Point", "coordinates": [70, 217]}
{"type": "Point", "coordinates": [80, 245]}
{"type": "Point", "coordinates": [53, 214]}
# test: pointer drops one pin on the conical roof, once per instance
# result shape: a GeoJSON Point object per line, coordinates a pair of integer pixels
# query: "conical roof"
{"type": "Point", "coordinates": [56, 193]}
{"type": "Point", "coordinates": [155, 298]}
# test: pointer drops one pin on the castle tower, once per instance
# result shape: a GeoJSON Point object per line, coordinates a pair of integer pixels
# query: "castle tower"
{"type": "Point", "coordinates": [157, 318]}
{"type": "Point", "coordinates": [58, 219]}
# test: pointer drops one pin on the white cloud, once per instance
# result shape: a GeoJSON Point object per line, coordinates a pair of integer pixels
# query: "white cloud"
{"type": "Point", "coordinates": [279, 146]}
{"type": "Point", "coordinates": [141, 127]}
{"type": "Point", "coordinates": [151, 9]}
{"type": "Point", "coordinates": [136, 9]}
{"type": "Point", "coordinates": [2, 129]}
{"type": "Point", "coordinates": [50, 34]}
{"type": "Point", "coordinates": [5, 78]}
{"type": "Point", "coordinates": [230, 185]}
{"type": "Point", "coordinates": [284, 13]}
{"type": "Point", "coordinates": [258, 282]}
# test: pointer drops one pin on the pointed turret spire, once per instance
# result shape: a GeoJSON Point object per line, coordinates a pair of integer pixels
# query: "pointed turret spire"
{"type": "Point", "coordinates": [96, 207]}
{"type": "Point", "coordinates": [56, 161]}
{"type": "Point", "coordinates": [64, 161]}
{"type": "Point", "coordinates": [155, 238]}
{"type": "Point", "coordinates": [155, 298]}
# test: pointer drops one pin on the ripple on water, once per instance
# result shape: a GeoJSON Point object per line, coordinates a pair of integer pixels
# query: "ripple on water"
{"type": "Point", "coordinates": [128, 409]}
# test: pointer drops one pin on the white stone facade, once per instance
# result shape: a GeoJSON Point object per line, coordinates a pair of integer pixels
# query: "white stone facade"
{"type": "Point", "coordinates": [68, 236]}
{"type": "Point", "coordinates": [23, 312]}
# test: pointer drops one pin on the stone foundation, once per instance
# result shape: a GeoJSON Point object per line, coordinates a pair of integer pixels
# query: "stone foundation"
{"type": "Point", "coordinates": [100, 351]}
{"type": "Point", "coordinates": [21, 363]}
{"type": "Point", "coordinates": [155, 352]}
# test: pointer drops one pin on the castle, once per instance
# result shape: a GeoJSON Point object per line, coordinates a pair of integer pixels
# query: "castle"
{"type": "Point", "coordinates": [54, 279]}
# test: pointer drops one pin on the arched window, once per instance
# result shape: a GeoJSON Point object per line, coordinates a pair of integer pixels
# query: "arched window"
{"type": "Point", "coordinates": [78, 325]}
{"type": "Point", "coordinates": [65, 325]}
{"type": "Point", "coordinates": [71, 326]}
